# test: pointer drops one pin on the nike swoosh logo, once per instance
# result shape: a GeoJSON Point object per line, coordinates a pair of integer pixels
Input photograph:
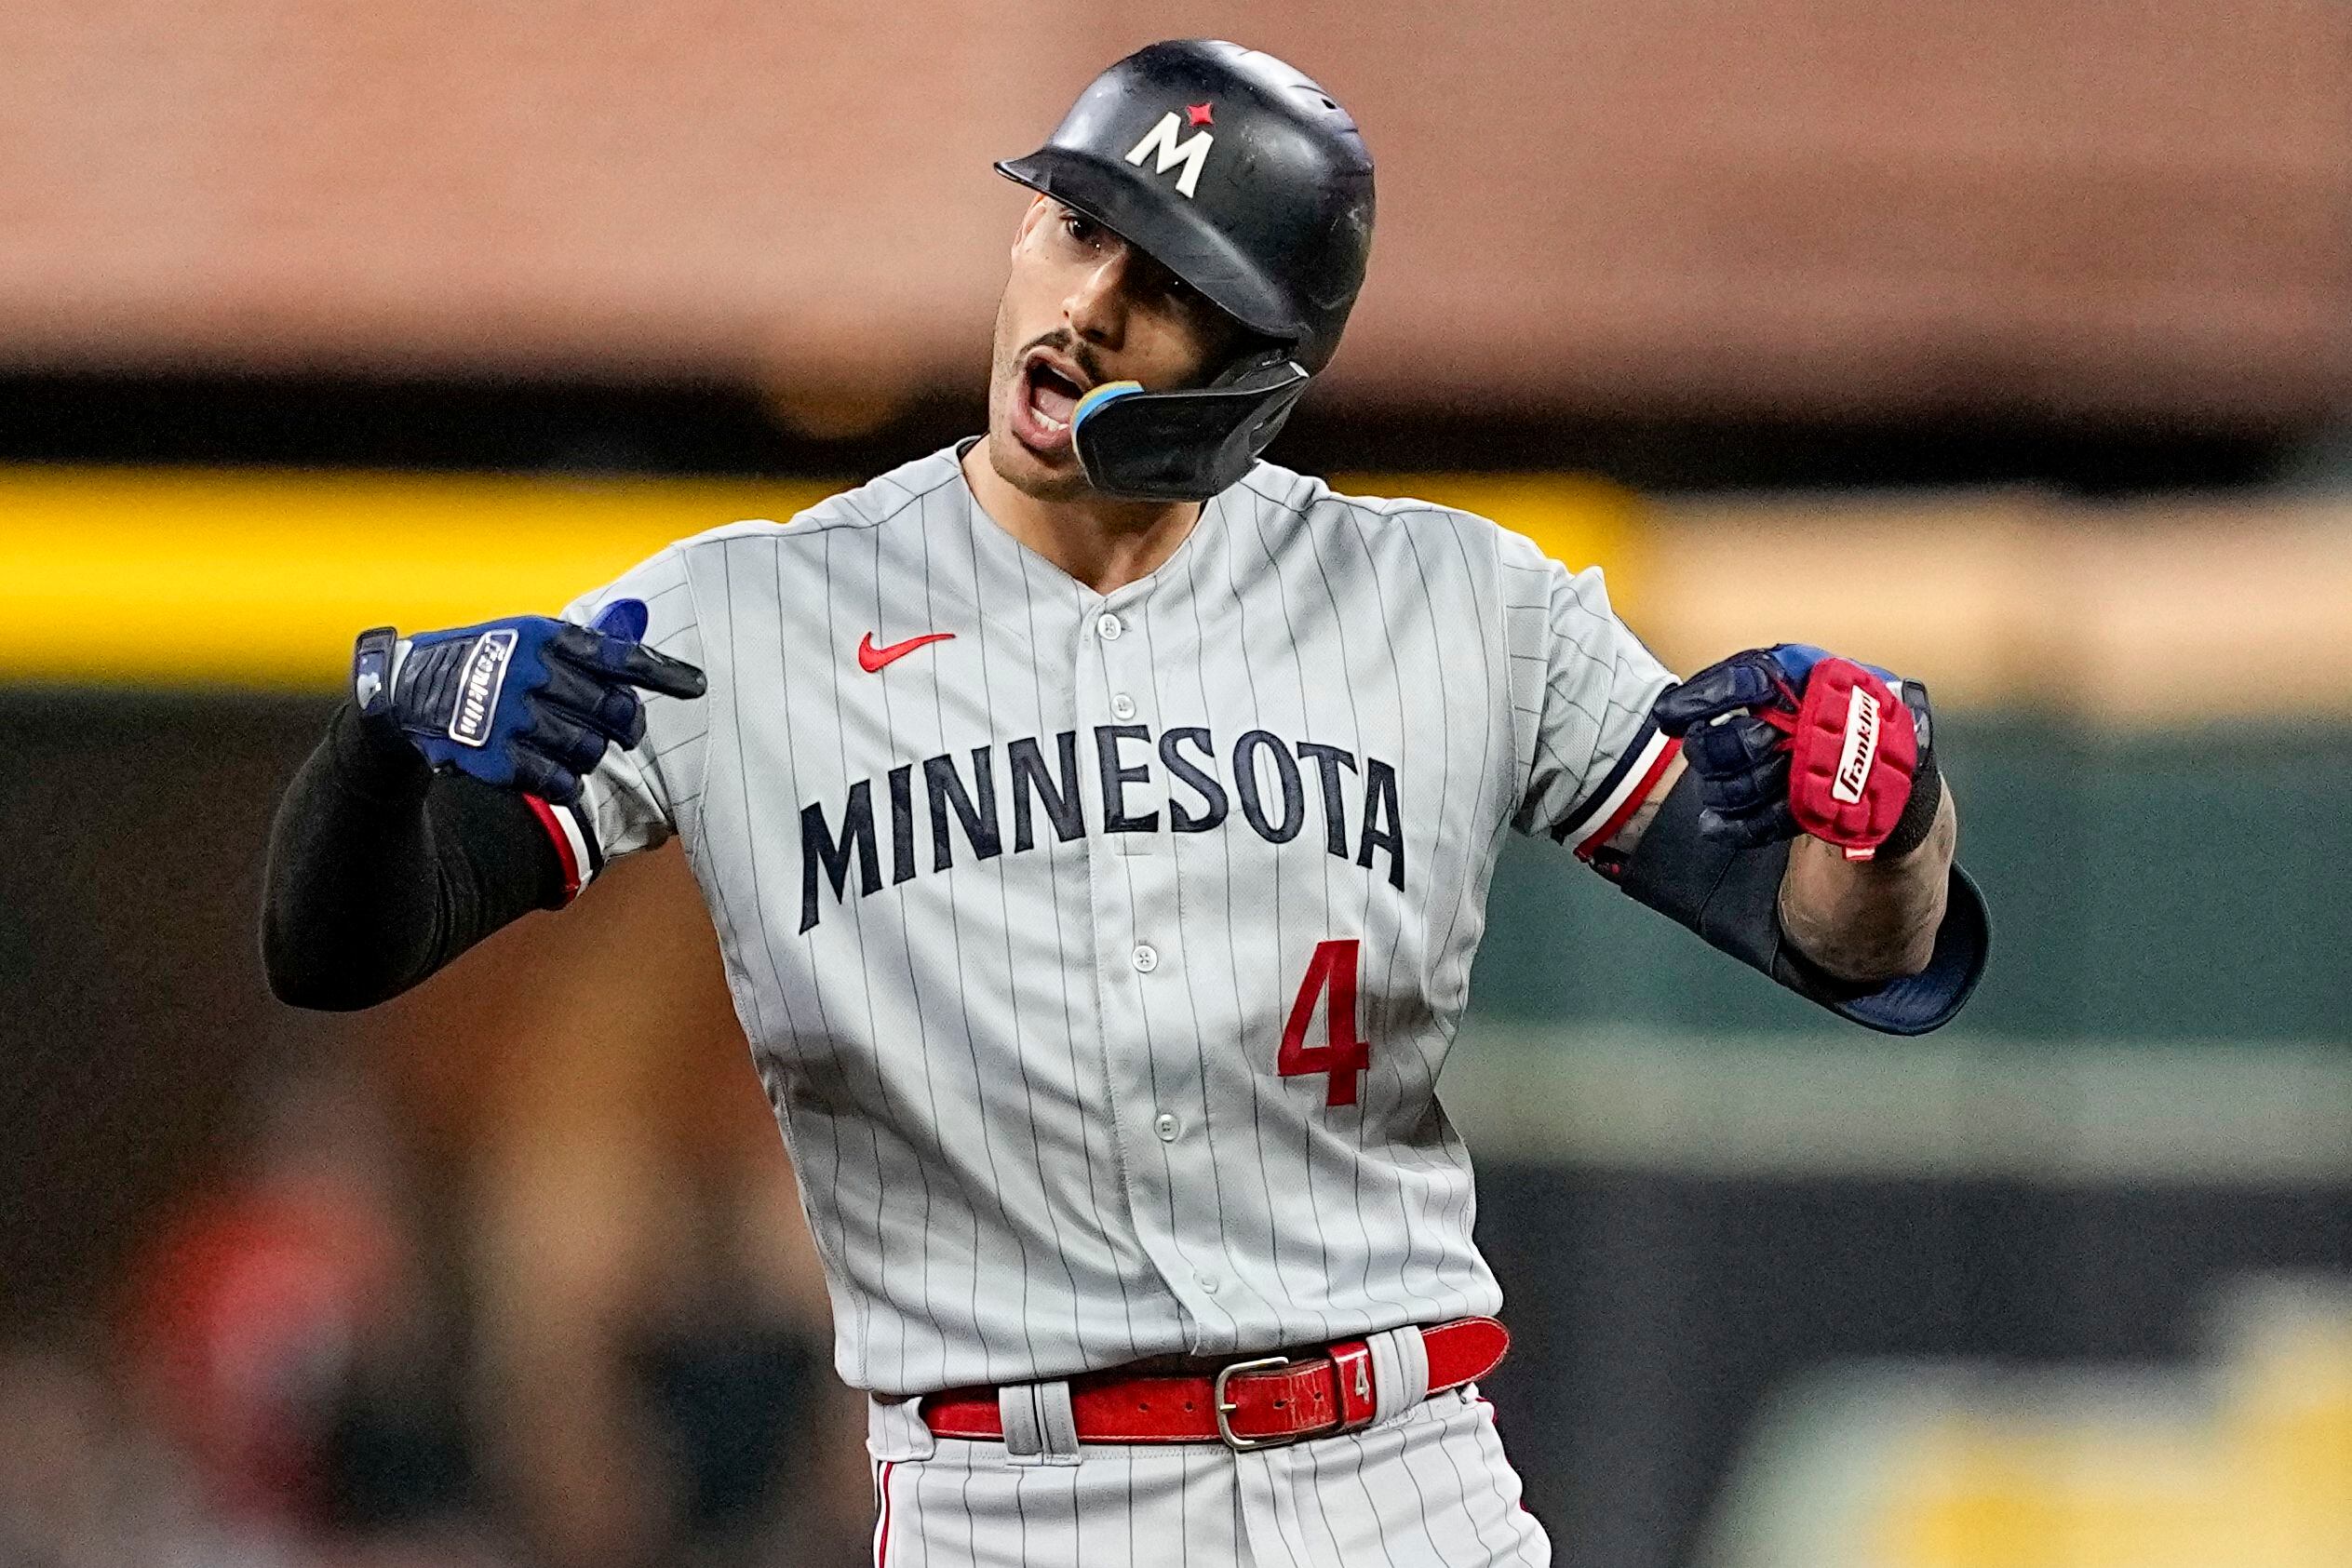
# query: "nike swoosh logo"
{"type": "Point", "coordinates": [871, 658]}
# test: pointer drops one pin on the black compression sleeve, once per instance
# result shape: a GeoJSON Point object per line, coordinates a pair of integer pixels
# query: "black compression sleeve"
{"type": "Point", "coordinates": [382, 871]}
{"type": "Point", "coordinates": [1731, 897]}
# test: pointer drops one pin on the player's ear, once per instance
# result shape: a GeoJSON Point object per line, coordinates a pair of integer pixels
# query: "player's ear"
{"type": "Point", "coordinates": [1031, 215]}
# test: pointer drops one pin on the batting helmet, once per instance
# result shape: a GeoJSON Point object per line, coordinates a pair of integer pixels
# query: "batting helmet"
{"type": "Point", "coordinates": [1246, 180]}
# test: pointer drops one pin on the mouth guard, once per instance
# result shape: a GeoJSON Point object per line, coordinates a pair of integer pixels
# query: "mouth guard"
{"type": "Point", "coordinates": [1096, 397]}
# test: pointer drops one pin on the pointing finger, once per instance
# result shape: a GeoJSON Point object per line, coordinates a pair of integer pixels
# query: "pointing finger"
{"type": "Point", "coordinates": [639, 665]}
{"type": "Point", "coordinates": [630, 660]}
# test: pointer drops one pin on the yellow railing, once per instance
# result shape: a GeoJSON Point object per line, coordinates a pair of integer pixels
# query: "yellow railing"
{"type": "Point", "coordinates": [2133, 615]}
{"type": "Point", "coordinates": [259, 579]}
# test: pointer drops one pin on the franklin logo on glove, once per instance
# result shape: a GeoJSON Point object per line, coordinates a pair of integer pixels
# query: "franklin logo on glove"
{"type": "Point", "coordinates": [485, 675]}
{"type": "Point", "coordinates": [1861, 745]}
{"type": "Point", "coordinates": [1791, 739]}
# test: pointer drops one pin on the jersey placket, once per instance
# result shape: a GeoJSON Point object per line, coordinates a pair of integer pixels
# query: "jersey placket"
{"type": "Point", "coordinates": [1148, 1055]}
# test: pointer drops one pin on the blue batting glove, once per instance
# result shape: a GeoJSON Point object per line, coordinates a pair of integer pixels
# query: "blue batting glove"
{"type": "Point", "coordinates": [527, 703]}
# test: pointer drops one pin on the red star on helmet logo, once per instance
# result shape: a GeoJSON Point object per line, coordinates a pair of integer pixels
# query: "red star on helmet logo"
{"type": "Point", "coordinates": [1198, 113]}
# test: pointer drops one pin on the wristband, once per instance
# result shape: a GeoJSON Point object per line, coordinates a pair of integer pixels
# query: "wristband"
{"type": "Point", "coordinates": [1918, 817]}
{"type": "Point", "coordinates": [374, 658]}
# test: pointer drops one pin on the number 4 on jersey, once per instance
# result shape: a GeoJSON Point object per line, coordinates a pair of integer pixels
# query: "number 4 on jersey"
{"type": "Point", "coordinates": [1333, 969]}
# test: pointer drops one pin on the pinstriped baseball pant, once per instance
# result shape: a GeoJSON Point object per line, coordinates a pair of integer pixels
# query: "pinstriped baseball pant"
{"type": "Point", "coordinates": [1428, 1488]}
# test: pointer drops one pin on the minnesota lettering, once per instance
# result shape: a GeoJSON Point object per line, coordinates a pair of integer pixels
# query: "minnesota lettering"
{"type": "Point", "coordinates": [973, 802]}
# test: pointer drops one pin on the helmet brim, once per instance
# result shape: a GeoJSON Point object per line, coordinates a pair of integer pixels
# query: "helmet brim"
{"type": "Point", "coordinates": [1123, 199]}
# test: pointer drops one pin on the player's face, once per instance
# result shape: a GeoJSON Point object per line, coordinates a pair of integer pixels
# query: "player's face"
{"type": "Point", "coordinates": [1083, 307]}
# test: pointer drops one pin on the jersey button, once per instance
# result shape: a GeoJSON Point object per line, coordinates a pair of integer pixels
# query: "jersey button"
{"type": "Point", "coordinates": [1208, 1284]}
{"type": "Point", "coordinates": [1167, 1126]}
{"type": "Point", "coordinates": [1108, 627]}
{"type": "Point", "coordinates": [1147, 958]}
{"type": "Point", "coordinates": [1123, 707]}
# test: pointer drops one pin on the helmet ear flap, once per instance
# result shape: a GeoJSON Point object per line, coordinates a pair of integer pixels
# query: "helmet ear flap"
{"type": "Point", "coordinates": [1189, 444]}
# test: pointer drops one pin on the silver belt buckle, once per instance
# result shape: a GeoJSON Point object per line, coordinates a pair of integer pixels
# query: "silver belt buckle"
{"type": "Point", "coordinates": [1224, 1408]}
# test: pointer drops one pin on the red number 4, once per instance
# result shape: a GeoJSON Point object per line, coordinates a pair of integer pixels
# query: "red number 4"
{"type": "Point", "coordinates": [1342, 1055]}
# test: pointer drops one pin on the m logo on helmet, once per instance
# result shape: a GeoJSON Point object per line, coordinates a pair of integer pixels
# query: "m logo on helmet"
{"type": "Point", "coordinates": [1192, 151]}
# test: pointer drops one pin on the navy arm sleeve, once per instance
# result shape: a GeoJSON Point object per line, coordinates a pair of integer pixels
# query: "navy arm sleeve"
{"type": "Point", "coordinates": [381, 871]}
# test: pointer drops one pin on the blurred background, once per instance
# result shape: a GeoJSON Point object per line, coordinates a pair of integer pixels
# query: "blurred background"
{"type": "Point", "coordinates": [2006, 345]}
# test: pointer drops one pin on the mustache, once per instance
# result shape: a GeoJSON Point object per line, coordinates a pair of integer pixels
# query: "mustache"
{"type": "Point", "coordinates": [1063, 341]}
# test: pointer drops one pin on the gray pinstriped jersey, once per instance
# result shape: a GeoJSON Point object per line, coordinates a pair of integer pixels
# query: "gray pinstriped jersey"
{"type": "Point", "coordinates": [1037, 928]}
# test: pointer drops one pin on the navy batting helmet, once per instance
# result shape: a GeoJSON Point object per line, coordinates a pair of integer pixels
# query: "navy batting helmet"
{"type": "Point", "coordinates": [1249, 182]}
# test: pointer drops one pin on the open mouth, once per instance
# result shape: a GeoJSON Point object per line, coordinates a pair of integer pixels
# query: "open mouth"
{"type": "Point", "coordinates": [1053, 394]}
{"type": "Point", "coordinates": [1050, 387]}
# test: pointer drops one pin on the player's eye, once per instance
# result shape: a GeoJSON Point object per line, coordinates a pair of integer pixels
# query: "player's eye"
{"type": "Point", "coordinates": [1152, 281]}
{"type": "Point", "coordinates": [1080, 228]}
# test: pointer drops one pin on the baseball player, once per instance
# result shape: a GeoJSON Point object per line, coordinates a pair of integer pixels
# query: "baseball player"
{"type": "Point", "coordinates": [1097, 822]}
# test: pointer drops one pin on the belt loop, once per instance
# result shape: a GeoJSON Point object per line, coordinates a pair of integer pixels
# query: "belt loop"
{"type": "Point", "coordinates": [1057, 1423]}
{"type": "Point", "coordinates": [1400, 1372]}
{"type": "Point", "coordinates": [1039, 1427]}
{"type": "Point", "coordinates": [1016, 1410]}
{"type": "Point", "coordinates": [896, 1430]}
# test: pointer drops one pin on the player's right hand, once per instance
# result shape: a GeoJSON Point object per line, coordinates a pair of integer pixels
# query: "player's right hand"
{"type": "Point", "coordinates": [526, 703]}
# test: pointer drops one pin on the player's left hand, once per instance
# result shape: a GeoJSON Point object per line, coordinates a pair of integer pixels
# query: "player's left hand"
{"type": "Point", "coordinates": [1793, 739]}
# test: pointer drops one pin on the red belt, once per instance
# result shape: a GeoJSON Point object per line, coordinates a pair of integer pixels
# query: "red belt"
{"type": "Point", "coordinates": [1262, 1402]}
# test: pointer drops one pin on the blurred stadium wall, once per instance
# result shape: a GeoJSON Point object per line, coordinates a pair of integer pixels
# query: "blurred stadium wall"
{"type": "Point", "coordinates": [1839, 207]}
{"type": "Point", "coordinates": [2009, 345]}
